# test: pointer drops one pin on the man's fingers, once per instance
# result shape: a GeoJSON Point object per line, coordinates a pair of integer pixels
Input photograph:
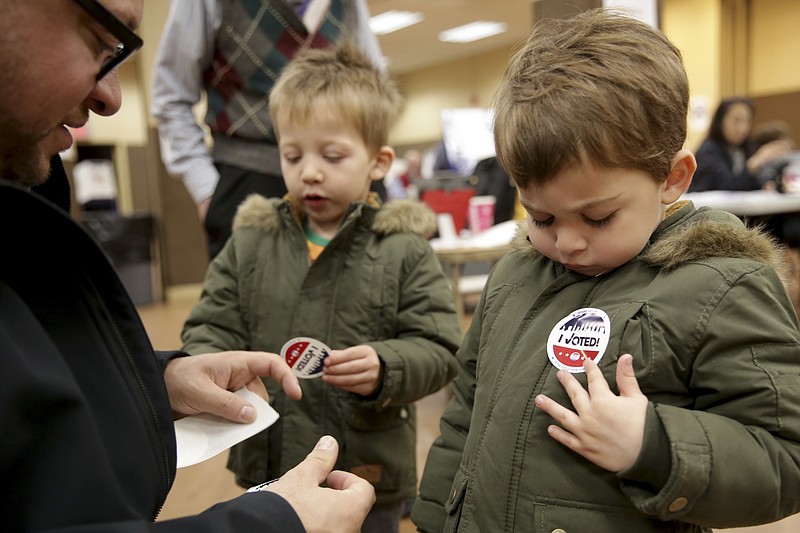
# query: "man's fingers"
{"type": "Point", "coordinates": [227, 405]}
{"type": "Point", "coordinates": [340, 480]}
{"type": "Point", "coordinates": [256, 385]}
{"type": "Point", "coordinates": [320, 461]}
{"type": "Point", "coordinates": [270, 364]}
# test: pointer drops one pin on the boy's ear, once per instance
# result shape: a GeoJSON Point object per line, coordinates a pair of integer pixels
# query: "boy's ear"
{"type": "Point", "coordinates": [383, 161]}
{"type": "Point", "coordinates": [679, 177]}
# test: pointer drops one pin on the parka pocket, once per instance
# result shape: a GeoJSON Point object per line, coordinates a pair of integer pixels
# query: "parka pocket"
{"type": "Point", "coordinates": [371, 419]}
{"type": "Point", "coordinates": [380, 446]}
{"type": "Point", "coordinates": [455, 501]}
{"type": "Point", "coordinates": [550, 514]}
{"type": "Point", "coordinates": [632, 332]}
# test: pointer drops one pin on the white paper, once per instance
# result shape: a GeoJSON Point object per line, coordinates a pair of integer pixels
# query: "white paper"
{"type": "Point", "coordinates": [201, 437]}
{"type": "Point", "coordinates": [498, 235]}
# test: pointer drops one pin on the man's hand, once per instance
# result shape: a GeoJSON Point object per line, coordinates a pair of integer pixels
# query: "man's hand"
{"type": "Point", "coordinates": [356, 369]}
{"type": "Point", "coordinates": [202, 209]}
{"type": "Point", "coordinates": [202, 383]}
{"type": "Point", "coordinates": [605, 428]}
{"type": "Point", "coordinates": [342, 506]}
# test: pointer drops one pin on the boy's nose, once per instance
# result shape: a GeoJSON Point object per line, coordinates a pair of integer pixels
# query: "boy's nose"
{"type": "Point", "coordinates": [311, 173]}
{"type": "Point", "coordinates": [569, 242]}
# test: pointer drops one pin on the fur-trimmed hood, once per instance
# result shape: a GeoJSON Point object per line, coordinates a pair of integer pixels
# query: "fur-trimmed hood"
{"type": "Point", "coordinates": [398, 216]}
{"type": "Point", "coordinates": [706, 233]}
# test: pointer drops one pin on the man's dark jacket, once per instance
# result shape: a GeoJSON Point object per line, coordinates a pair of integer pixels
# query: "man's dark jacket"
{"type": "Point", "coordinates": [88, 441]}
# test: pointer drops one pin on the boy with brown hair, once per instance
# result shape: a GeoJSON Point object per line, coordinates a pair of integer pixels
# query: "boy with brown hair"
{"type": "Point", "coordinates": [328, 262]}
{"type": "Point", "coordinates": [634, 365]}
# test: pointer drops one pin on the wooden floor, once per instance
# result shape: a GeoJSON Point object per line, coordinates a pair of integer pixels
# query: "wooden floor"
{"type": "Point", "coordinates": [200, 486]}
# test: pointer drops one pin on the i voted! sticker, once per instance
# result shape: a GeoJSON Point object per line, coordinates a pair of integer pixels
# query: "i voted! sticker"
{"type": "Point", "coordinates": [581, 335]}
{"type": "Point", "coordinates": [305, 356]}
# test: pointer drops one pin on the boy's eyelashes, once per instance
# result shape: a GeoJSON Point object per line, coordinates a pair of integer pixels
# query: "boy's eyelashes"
{"type": "Point", "coordinates": [595, 223]}
{"type": "Point", "coordinates": [599, 223]}
{"type": "Point", "coordinates": [293, 159]}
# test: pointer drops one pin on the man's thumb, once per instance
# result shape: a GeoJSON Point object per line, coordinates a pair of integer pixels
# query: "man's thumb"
{"type": "Point", "coordinates": [323, 457]}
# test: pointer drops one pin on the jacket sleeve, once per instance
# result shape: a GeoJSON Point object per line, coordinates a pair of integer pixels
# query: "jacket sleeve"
{"type": "Point", "coordinates": [444, 458]}
{"type": "Point", "coordinates": [740, 440]}
{"type": "Point", "coordinates": [421, 359]}
{"type": "Point", "coordinates": [218, 323]}
{"type": "Point", "coordinates": [365, 38]}
{"type": "Point", "coordinates": [185, 52]}
{"type": "Point", "coordinates": [54, 462]}
{"type": "Point", "coordinates": [262, 511]}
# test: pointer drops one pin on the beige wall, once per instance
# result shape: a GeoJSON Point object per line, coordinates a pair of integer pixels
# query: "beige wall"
{"type": "Point", "coordinates": [468, 83]}
{"type": "Point", "coordinates": [694, 26]}
{"type": "Point", "coordinates": [775, 47]}
{"type": "Point", "coordinates": [701, 56]}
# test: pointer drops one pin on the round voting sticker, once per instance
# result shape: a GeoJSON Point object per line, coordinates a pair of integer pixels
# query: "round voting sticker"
{"type": "Point", "coordinates": [581, 335]}
{"type": "Point", "coordinates": [305, 356]}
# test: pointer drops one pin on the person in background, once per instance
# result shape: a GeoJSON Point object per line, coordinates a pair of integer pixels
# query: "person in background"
{"type": "Point", "coordinates": [231, 52]}
{"type": "Point", "coordinates": [726, 159]}
{"type": "Point", "coordinates": [406, 173]}
{"type": "Point", "coordinates": [494, 181]}
{"type": "Point", "coordinates": [770, 175]}
{"type": "Point", "coordinates": [328, 262]}
{"type": "Point", "coordinates": [633, 365]}
{"type": "Point", "coordinates": [86, 405]}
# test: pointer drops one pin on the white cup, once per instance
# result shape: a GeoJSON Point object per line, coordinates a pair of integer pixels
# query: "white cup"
{"type": "Point", "coordinates": [447, 228]}
{"type": "Point", "coordinates": [481, 213]}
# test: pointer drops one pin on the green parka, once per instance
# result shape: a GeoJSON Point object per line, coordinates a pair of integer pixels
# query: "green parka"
{"type": "Point", "coordinates": [377, 282]}
{"type": "Point", "coordinates": [716, 350]}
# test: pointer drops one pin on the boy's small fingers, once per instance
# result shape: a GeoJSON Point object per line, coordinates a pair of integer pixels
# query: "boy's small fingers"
{"type": "Point", "coordinates": [626, 377]}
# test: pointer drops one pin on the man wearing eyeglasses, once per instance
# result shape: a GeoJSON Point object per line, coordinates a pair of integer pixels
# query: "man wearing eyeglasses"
{"type": "Point", "coordinates": [86, 406]}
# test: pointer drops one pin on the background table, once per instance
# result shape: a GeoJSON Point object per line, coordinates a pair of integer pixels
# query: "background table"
{"type": "Point", "coordinates": [747, 203]}
{"type": "Point", "coordinates": [490, 245]}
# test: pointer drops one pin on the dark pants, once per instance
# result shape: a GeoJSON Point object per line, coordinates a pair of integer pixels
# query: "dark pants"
{"type": "Point", "coordinates": [384, 518]}
{"type": "Point", "coordinates": [235, 184]}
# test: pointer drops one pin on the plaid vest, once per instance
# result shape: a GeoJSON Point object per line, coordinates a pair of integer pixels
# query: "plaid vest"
{"type": "Point", "coordinates": [256, 40]}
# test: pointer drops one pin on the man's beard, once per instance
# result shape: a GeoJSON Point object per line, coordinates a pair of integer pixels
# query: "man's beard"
{"type": "Point", "coordinates": [21, 158]}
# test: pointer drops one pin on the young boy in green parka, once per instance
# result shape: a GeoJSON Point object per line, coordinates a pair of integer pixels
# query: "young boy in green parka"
{"type": "Point", "coordinates": [328, 262]}
{"type": "Point", "coordinates": [634, 365]}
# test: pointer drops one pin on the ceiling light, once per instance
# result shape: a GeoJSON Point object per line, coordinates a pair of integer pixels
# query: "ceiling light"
{"type": "Point", "coordinates": [472, 32]}
{"type": "Point", "coordinates": [394, 20]}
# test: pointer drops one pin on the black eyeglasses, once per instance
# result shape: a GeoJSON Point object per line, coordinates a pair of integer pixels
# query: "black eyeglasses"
{"type": "Point", "coordinates": [128, 43]}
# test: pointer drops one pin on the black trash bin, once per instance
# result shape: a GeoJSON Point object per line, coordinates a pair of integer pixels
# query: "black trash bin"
{"type": "Point", "coordinates": [126, 239]}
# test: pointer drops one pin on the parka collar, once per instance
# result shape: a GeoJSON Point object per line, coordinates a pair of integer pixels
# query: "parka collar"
{"type": "Point", "coordinates": [398, 216]}
{"type": "Point", "coordinates": [689, 234]}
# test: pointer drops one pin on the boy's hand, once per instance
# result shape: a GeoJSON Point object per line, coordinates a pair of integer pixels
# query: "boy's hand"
{"type": "Point", "coordinates": [605, 428]}
{"type": "Point", "coordinates": [356, 369]}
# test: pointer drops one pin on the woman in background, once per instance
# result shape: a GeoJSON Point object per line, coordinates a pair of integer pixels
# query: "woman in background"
{"type": "Point", "coordinates": [727, 160]}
